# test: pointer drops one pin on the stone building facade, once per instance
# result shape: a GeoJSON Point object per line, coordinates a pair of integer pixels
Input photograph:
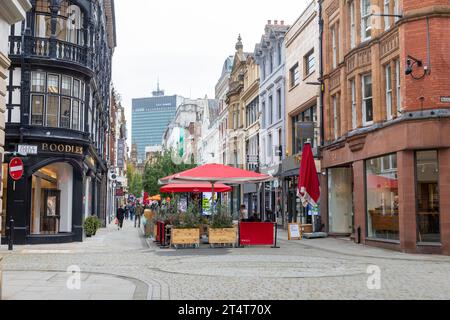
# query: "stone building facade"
{"type": "Point", "coordinates": [270, 56]}
{"type": "Point", "coordinates": [387, 123]}
{"type": "Point", "coordinates": [302, 106]}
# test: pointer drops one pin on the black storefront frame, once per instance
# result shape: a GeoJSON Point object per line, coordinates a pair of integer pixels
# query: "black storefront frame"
{"type": "Point", "coordinates": [19, 202]}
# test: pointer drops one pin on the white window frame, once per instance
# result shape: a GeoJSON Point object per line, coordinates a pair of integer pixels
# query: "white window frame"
{"type": "Point", "coordinates": [396, 9]}
{"type": "Point", "coordinates": [352, 25]}
{"type": "Point", "coordinates": [366, 24]}
{"type": "Point", "coordinates": [389, 101]}
{"type": "Point", "coordinates": [365, 99]}
{"type": "Point", "coordinates": [354, 113]}
{"type": "Point", "coordinates": [387, 19]}
{"type": "Point", "coordinates": [335, 117]}
{"type": "Point", "coordinates": [398, 86]}
{"type": "Point", "coordinates": [334, 45]}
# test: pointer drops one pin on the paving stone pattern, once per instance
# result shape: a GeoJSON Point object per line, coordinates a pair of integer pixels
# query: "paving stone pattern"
{"type": "Point", "coordinates": [122, 265]}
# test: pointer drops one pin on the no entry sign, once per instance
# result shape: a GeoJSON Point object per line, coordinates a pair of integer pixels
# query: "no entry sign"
{"type": "Point", "coordinates": [16, 169]}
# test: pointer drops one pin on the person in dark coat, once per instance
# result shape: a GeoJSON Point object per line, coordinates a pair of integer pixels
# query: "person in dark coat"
{"type": "Point", "coordinates": [120, 217]}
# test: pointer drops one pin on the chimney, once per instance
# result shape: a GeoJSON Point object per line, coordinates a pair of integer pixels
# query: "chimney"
{"type": "Point", "coordinates": [276, 22]}
{"type": "Point", "coordinates": [269, 22]}
{"type": "Point", "coordinates": [282, 22]}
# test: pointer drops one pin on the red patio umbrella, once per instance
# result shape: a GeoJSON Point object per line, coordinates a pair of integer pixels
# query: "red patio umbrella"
{"type": "Point", "coordinates": [308, 182]}
{"type": "Point", "coordinates": [216, 173]}
{"type": "Point", "coordinates": [194, 187]}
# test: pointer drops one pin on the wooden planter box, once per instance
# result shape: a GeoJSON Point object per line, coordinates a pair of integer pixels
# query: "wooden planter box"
{"type": "Point", "coordinates": [222, 236]}
{"type": "Point", "coordinates": [185, 237]}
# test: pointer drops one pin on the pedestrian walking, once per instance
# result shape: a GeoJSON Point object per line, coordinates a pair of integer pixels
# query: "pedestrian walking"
{"type": "Point", "coordinates": [120, 216]}
{"type": "Point", "coordinates": [127, 212]}
{"type": "Point", "coordinates": [132, 212]}
{"type": "Point", "coordinates": [139, 213]}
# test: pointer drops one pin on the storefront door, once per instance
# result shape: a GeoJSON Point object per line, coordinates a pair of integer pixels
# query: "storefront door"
{"type": "Point", "coordinates": [51, 200]}
{"type": "Point", "coordinates": [340, 200]}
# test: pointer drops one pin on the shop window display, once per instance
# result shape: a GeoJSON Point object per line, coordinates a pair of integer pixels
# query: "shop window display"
{"type": "Point", "coordinates": [382, 198]}
{"type": "Point", "coordinates": [428, 205]}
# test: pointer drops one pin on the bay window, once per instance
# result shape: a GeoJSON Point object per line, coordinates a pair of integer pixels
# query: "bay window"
{"type": "Point", "coordinates": [56, 101]}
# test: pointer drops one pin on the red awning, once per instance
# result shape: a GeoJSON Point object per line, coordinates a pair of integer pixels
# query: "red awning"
{"type": "Point", "coordinates": [216, 173]}
{"type": "Point", "coordinates": [194, 187]}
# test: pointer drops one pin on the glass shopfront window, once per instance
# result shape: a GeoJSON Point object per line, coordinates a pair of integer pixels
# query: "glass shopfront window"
{"type": "Point", "coordinates": [52, 200]}
{"type": "Point", "coordinates": [382, 198]}
{"type": "Point", "coordinates": [57, 101]}
{"type": "Point", "coordinates": [428, 205]}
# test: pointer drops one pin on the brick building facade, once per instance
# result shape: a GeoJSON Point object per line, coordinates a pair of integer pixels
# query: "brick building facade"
{"type": "Point", "coordinates": [387, 123]}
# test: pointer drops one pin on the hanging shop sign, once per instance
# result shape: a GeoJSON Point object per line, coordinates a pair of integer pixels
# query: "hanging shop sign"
{"type": "Point", "coordinates": [61, 148]}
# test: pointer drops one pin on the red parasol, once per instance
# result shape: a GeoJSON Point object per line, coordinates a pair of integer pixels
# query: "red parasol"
{"type": "Point", "coordinates": [194, 187]}
{"type": "Point", "coordinates": [308, 182]}
{"type": "Point", "coordinates": [216, 173]}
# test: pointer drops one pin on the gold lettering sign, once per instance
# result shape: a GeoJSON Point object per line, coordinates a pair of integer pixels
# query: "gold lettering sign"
{"type": "Point", "coordinates": [62, 148]}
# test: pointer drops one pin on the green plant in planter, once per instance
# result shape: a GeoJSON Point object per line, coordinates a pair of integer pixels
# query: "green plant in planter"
{"type": "Point", "coordinates": [90, 226]}
{"type": "Point", "coordinates": [189, 220]}
{"type": "Point", "coordinates": [221, 219]}
{"type": "Point", "coordinates": [98, 224]}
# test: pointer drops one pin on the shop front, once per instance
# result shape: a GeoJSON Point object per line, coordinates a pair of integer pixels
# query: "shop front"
{"type": "Point", "coordinates": [56, 193]}
{"type": "Point", "coordinates": [393, 194]}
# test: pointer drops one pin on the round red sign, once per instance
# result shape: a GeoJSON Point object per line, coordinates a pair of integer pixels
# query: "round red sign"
{"type": "Point", "coordinates": [16, 169]}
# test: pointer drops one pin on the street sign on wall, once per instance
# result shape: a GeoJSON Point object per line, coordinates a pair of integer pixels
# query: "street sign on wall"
{"type": "Point", "coordinates": [16, 169]}
{"type": "Point", "coordinates": [26, 149]}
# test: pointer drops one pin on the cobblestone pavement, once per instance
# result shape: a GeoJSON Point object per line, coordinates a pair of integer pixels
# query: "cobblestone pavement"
{"type": "Point", "coordinates": [123, 265]}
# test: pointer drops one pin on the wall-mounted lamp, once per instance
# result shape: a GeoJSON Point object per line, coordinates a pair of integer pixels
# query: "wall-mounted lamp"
{"type": "Point", "coordinates": [412, 62]}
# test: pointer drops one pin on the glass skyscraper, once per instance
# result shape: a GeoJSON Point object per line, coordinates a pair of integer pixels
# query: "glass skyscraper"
{"type": "Point", "coordinates": [150, 118]}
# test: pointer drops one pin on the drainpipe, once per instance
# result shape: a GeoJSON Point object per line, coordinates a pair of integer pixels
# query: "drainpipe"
{"type": "Point", "coordinates": [322, 86]}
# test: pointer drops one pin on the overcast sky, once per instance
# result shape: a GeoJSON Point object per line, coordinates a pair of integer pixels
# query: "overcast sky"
{"type": "Point", "coordinates": [185, 42]}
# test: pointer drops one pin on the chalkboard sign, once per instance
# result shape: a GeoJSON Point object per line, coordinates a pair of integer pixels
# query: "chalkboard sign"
{"type": "Point", "coordinates": [294, 232]}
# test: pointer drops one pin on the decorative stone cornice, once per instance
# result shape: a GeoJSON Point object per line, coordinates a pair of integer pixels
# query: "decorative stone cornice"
{"type": "Point", "coordinates": [4, 61]}
{"type": "Point", "coordinates": [13, 11]}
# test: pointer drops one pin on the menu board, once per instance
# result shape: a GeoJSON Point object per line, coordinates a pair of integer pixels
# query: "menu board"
{"type": "Point", "coordinates": [294, 231]}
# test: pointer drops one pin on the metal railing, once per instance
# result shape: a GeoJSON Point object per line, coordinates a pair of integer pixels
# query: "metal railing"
{"type": "Point", "coordinates": [48, 48]}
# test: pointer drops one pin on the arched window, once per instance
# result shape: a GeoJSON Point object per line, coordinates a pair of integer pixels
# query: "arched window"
{"type": "Point", "coordinates": [69, 24]}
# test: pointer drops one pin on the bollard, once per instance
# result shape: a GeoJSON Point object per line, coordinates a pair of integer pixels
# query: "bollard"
{"type": "Point", "coordinates": [276, 236]}
{"type": "Point", "coordinates": [359, 235]}
{"type": "Point", "coordinates": [11, 235]}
